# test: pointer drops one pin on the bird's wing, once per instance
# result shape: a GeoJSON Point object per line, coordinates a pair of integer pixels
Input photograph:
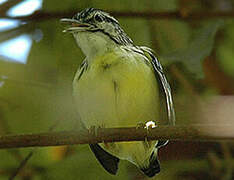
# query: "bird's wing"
{"type": "Point", "coordinates": [158, 70]}
{"type": "Point", "coordinates": [108, 161]}
{"type": "Point", "coordinates": [164, 86]}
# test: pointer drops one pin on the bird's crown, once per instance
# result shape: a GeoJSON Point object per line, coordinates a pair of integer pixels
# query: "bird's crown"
{"type": "Point", "coordinates": [96, 20]}
{"type": "Point", "coordinates": [94, 16]}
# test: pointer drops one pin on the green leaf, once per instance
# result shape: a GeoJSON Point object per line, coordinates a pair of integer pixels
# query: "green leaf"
{"type": "Point", "coordinates": [200, 46]}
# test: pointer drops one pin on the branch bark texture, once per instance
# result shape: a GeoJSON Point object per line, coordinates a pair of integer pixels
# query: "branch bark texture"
{"type": "Point", "coordinates": [177, 133]}
{"type": "Point", "coordinates": [199, 15]}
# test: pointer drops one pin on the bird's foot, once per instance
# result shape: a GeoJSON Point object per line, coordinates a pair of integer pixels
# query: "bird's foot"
{"type": "Point", "coordinates": [93, 130]}
{"type": "Point", "coordinates": [148, 125]}
{"type": "Point", "coordinates": [140, 125]}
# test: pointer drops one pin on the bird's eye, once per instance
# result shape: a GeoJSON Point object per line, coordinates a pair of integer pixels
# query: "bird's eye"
{"type": "Point", "coordinates": [98, 18]}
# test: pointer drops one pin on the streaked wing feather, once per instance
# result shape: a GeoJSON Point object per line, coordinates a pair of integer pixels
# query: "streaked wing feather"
{"type": "Point", "coordinates": [167, 89]}
{"type": "Point", "coordinates": [158, 70]}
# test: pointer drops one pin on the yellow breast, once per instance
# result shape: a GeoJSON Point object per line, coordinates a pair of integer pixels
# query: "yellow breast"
{"type": "Point", "coordinates": [118, 89]}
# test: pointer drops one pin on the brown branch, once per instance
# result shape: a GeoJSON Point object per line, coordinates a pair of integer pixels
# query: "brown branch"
{"type": "Point", "coordinates": [7, 5]}
{"type": "Point", "coordinates": [175, 15]}
{"type": "Point", "coordinates": [179, 133]}
{"type": "Point", "coordinates": [43, 15]}
{"type": "Point", "coordinates": [28, 157]}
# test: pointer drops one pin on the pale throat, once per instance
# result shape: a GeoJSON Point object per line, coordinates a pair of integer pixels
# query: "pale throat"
{"type": "Point", "coordinates": [94, 43]}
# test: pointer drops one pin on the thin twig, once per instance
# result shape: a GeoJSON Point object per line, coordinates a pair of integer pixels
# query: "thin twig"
{"type": "Point", "coordinates": [178, 133]}
{"type": "Point", "coordinates": [43, 15]}
{"type": "Point", "coordinates": [21, 29]}
{"type": "Point", "coordinates": [7, 5]}
{"type": "Point", "coordinates": [21, 166]}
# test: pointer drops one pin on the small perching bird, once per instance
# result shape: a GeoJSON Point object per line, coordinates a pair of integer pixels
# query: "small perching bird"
{"type": "Point", "coordinates": [118, 84]}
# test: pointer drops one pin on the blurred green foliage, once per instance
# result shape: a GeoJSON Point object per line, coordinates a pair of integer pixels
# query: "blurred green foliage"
{"type": "Point", "coordinates": [199, 45]}
{"type": "Point", "coordinates": [225, 51]}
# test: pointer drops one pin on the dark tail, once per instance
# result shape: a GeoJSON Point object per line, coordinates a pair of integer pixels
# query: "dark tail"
{"type": "Point", "coordinates": [153, 168]}
{"type": "Point", "coordinates": [108, 161]}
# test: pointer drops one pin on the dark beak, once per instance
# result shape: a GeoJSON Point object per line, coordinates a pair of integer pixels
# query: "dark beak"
{"type": "Point", "coordinates": [72, 25]}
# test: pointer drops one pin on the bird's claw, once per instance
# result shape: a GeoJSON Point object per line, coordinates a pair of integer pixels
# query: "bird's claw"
{"type": "Point", "coordinates": [140, 125]}
{"type": "Point", "coordinates": [150, 124]}
{"type": "Point", "coordinates": [147, 125]}
{"type": "Point", "coordinates": [93, 130]}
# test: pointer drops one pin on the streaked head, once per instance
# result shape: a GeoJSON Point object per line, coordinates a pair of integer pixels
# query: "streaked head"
{"type": "Point", "coordinates": [95, 21]}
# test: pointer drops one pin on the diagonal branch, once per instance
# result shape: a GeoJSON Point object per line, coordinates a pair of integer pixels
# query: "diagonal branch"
{"type": "Point", "coordinates": [4, 7]}
{"type": "Point", "coordinates": [178, 133]}
{"type": "Point", "coordinates": [21, 166]}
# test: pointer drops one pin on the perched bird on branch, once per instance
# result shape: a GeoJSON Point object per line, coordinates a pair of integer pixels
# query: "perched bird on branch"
{"type": "Point", "coordinates": [118, 84]}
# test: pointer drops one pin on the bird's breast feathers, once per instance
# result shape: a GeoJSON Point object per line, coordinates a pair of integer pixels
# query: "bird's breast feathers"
{"type": "Point", "coordinates": [118, 89]}
{"type": "Point", "coordinates": [115, 90]}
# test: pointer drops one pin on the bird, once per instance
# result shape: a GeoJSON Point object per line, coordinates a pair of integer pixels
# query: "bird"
{"type": "Point", "coordinates": [118, 84]}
